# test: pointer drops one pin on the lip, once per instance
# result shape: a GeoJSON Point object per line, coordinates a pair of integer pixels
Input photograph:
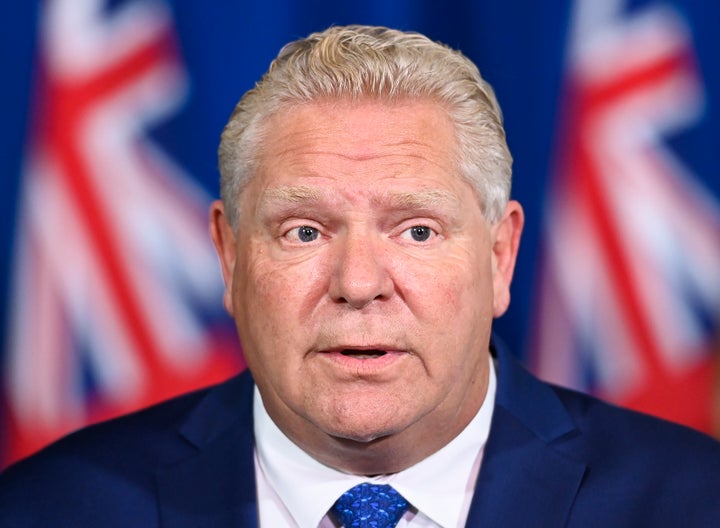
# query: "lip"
{"type": "Point", "coordinates": [363, 363]}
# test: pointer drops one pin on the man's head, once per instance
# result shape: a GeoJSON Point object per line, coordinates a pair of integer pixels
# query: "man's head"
{"type": "Point", "coordinates": [367, 242]}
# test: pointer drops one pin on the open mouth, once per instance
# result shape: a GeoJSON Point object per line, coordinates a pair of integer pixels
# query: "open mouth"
{"type": "Point", "coordinates": [362, 354]}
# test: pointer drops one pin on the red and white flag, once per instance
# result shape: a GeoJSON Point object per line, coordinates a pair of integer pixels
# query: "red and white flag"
{"type": "Point", "coordinates": [115, 281]}
{"type": "Point", "coordinates": [630, 287]}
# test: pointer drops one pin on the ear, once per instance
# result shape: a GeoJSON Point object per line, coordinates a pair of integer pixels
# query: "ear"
{"type": "Point", "coordinates": [506, 241]}
{"type": "Point", "coordinates": [224, 239]}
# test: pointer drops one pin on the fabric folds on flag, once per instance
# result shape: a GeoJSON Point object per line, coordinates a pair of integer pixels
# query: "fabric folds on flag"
{"type": "Point", "coordinates": [115, 283]}
{"type": "Point", "coordinates": [630, 289]}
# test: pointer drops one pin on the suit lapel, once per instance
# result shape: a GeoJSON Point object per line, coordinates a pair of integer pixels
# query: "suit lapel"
{"type": "Point", "coordinates": [213, 482]}
{"type": "Point", "coordinates": [525, 479]}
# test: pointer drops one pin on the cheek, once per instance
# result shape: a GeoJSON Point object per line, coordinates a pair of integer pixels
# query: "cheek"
{"type": "Point", "coordinates": [275, 297]}
{"type": "Point", "coordinates": [448, 288]}
{"type": "Point", "coordinates": [263, 301]}
{"type": "Point", "coordinates": [453, 305]}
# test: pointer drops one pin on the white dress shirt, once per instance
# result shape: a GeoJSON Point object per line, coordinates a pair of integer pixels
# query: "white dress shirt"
{"type": "Point", "coordinates": [296, 491]}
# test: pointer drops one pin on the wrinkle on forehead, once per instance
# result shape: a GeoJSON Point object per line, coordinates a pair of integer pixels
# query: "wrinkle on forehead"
{"type": "Point", "coordinates": [353, 150]}
{"type": "Point", "coordinates": [416, 199]}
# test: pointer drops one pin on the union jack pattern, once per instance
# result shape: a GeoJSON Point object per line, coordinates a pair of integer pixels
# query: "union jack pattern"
{"type": "Point", "coordinates": [630, 278]}
{"type": "Point", "coordinates": [115, 282]}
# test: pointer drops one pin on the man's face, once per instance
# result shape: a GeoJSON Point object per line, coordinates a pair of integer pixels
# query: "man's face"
{"type": "Point", "coordinates": [364, 278]}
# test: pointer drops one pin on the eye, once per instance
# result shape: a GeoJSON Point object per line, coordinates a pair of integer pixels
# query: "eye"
{"type": "Point", "coordinates": [418, 233]}
{"type": "Point", "coordinates": [303, 234]}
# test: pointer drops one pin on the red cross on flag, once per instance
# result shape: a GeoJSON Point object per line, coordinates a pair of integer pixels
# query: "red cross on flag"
{"type": "Point", "coordinates": [114, 276]}
{"type": "Point", "coordinates": [630, 278]}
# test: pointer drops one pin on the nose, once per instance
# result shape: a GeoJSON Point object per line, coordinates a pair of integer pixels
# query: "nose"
{"type": "Point", "coordinates": [360, 274]}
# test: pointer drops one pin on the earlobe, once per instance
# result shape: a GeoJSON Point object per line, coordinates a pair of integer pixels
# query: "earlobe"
{"type": "Point", "coordinates": [223, 238]}
{"type": "Point", "coordinates": [506, 242]}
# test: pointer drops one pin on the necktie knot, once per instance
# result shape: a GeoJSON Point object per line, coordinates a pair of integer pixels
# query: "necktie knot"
{"type": "Point", "coordinates": [370, 506]}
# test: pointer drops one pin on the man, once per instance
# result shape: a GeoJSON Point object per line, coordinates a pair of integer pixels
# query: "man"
{"type": "Point", "coordinates": [367, 241]}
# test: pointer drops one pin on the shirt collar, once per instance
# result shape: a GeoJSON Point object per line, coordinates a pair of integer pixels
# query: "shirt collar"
{"type": "Point", "coordinates": [308, 488]}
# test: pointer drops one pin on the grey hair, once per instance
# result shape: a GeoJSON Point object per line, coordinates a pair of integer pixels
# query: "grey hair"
{"type": "Point", "coordinates": [365, 62]}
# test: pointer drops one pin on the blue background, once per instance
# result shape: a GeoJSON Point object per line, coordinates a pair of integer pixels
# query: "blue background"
{"type": "Point", "coordinates": [226, 45]}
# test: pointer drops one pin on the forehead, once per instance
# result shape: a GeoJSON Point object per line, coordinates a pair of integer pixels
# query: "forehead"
{"type": "Point", "coordinates": [340, 138]}
{"type": "Point", "coordinates": [359, 130]}
{"type": "Point", "coordinates": [359, 155]}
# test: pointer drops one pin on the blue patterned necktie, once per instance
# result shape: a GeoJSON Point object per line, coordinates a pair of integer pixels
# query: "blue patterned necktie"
{"type": "Point", "coordinates": [370, 506]}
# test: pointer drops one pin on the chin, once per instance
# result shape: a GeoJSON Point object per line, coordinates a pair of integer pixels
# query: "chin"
{"type": "Point", "coordinates": [365, 432]}
{"type": "Point", "coordinates": [363, 418]}
{"type": "Point", "coordinates": [361, 437]}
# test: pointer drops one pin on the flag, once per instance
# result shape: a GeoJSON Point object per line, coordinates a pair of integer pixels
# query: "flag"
{"type": "Point", "coordinates": [629, 298]}
{"type": "Point", "coordinates": [115, 283]}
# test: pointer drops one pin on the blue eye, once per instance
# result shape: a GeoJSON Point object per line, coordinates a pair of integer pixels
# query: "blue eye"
{"type": "Point", "coordinates": [307, 233]}
{"type": "Point", "coordinates": [420, 233]}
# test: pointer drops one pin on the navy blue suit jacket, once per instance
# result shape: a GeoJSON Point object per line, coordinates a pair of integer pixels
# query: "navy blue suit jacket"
{"type": "Point", "coordinates": [554, 458]}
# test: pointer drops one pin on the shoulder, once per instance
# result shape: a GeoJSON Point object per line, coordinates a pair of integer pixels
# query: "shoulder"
{"type": "Point", "coordinates": [597, 430]}
{"type": "Point", "coordinates": [634, 469]}
{"type": "Point", "coordinates": [104, 468]}
{"type": "Point", "coordinates": [634, 459]}
{"type": "Point", "coordinates": [615, 425]}
{"type": "Point", "coordinates": [135, 438]}
{"type": "Point", "coordinates": [614, 430]}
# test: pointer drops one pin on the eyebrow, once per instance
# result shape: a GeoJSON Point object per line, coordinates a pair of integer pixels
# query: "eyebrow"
{"type": "Point", "coordinates": [420, 199]}
{"type": "Point", "coordinates": [293, 194]}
